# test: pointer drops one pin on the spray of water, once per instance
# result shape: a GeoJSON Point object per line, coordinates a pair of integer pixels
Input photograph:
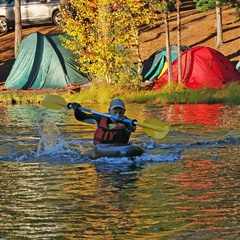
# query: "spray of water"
{"type": "Point", "coordinates": [51, 140]}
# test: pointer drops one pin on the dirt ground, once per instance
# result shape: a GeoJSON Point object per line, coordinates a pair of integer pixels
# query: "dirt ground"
{"type": "Point", "coordinates": [198, 29]}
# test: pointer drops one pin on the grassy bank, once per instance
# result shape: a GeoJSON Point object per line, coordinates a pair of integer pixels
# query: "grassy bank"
{"type": "Point", "coordinates": [104, 93]}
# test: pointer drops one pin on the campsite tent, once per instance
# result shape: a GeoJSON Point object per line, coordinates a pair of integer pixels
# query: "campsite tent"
{"type": "Point", "coordinates": [156, 64]}
{"type": "Point", "coordinates": [201, 67]}
{"type": "Point", "coordinates": [42, 62]}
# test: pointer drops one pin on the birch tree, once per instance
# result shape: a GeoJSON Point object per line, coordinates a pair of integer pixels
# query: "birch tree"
{"type": "Point", "coordinates": [178, 4]}
{"type": "Point", "coordinates": [18, 26]}
{"type": "Point", "coordinates": [205, 5]}
{"type": "Point", "coordinates": [105, 35]}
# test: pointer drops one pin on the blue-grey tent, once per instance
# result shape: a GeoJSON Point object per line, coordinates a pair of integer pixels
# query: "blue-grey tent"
{"type": "Point", "coordinates": [43, 62]}
{"type": "Point", "coordinates": [156, 64]}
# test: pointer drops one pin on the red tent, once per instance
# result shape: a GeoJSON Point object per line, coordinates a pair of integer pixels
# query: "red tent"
{"type": "Point", "coordinates": [201, 67]}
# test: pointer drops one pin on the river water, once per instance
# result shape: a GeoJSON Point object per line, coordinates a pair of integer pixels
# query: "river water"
{"type": "Point", "coordinates": [186, 186]}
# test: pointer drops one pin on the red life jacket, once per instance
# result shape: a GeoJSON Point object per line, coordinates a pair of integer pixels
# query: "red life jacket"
{"type": "Point", "coordinates": [104, 134]}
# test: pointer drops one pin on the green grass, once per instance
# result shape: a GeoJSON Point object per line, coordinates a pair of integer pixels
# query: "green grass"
{"type": "Point", "coordinates": [103, 94]}
{"type": "Point", "coordinates": [168, 95]}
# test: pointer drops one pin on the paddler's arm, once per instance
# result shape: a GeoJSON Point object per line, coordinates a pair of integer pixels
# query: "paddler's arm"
{"type": "Point", "coordinates": [128, 126]}
{"type": "Point", "coordinates": [85, 117]}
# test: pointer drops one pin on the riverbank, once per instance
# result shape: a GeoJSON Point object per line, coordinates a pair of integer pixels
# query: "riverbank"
{"type": "Point", "coordinates": [104, 94]}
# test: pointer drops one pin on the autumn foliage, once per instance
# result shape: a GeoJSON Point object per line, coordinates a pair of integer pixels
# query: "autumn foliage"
{"type": "Point", "coordinates": [104, 35]}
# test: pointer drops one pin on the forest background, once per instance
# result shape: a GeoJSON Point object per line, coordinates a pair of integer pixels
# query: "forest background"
{"type": "Point", "coordinates": [198, 28]}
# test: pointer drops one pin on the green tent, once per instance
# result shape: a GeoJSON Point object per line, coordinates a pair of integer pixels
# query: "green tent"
{"type": "Point", "coordinates": [42, 62]}
{"type": "Point", "coordinates": [156, 64]}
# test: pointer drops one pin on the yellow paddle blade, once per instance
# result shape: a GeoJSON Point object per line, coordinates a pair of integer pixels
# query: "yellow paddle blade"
{"type": "Point", "coordinates": [155, 128]}
{"type": "Point", "coordinates": [54, 102]}
{"type": "Point", "coordinates": [155, 134]}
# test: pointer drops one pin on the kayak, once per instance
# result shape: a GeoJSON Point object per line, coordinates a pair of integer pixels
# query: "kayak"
{"type": "Point", "coordinates": [114, 150]}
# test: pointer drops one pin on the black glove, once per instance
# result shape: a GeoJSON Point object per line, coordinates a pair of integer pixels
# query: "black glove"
{"type": "Point", "coordinates": [73, 106]}
{"type": "Point", "coordinates": [120, 119]}
{"type": "Point", "coordinates": [134, 122]}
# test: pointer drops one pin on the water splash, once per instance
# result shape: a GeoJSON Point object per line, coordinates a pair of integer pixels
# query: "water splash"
{"type": "Point", "coordinates": [51, 140]}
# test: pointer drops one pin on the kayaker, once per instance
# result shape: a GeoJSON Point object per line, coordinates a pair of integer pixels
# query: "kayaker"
{"type": "Point", "coordinates": [108, 130]}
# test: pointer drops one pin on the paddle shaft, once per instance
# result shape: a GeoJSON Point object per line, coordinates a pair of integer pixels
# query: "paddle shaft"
{"type": "Point", "coordinates": [125, 120]}
{"type": "Point", "coordinates": [152, 127]}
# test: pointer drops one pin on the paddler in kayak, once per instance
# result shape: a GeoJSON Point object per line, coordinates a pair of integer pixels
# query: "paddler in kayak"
{"type": "Point", "coordinates": [108, 130]}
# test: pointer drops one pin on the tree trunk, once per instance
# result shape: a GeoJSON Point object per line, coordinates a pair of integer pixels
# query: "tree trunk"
{"type": "Point", "coordinates": [179, 42]}
{"type": "Point", "coordinates": [219, 38]}
{"type": "Point", "coordinates": [63, 3]}
{"type": "Point", "coordinates": [104, 27]}
{"type": "Point", "coordinates": [103, 24]}
{"type": "Point", "coordinates": [18, 27]}
{"type": "Point", "coordinates": [169, 61]}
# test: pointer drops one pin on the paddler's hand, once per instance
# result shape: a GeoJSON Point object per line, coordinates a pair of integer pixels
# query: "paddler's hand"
{"type": "Point", "coordinates": [73, 106]}
{"type": "Point", "coordinates": [121, 119]}
{"type": "Point", "coordinates": [131, 127]}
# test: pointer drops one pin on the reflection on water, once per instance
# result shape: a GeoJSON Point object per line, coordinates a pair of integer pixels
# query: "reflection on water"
{"type": "Point", "coordinates": [185, 187]}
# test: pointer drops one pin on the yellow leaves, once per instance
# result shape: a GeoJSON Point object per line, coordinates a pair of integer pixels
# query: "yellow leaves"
{"type": "Point", "coordinates": [103, 37]}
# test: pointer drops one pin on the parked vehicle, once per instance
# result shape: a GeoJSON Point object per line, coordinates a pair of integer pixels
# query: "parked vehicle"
{"type": "Point", "coordinates": [32, 12]}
